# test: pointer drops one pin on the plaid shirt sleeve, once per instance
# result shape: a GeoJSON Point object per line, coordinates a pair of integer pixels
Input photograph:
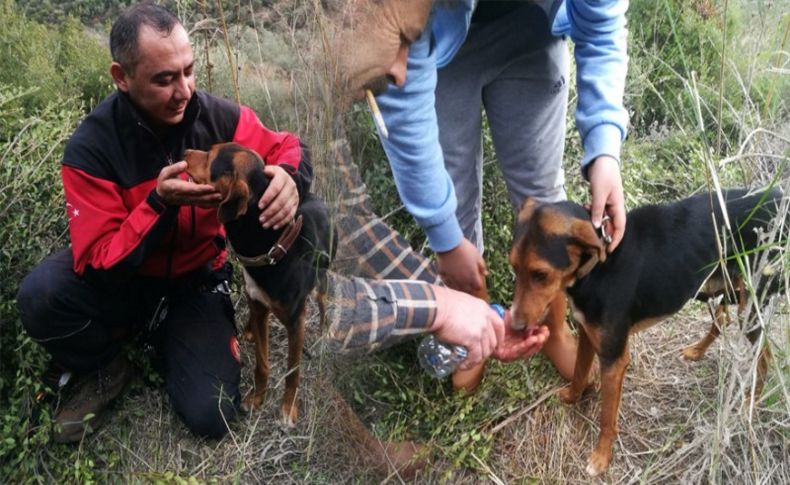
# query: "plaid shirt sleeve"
{"type": "Point", "coordinates": [367, 315]}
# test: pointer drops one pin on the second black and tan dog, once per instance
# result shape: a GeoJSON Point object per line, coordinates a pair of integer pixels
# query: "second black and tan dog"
{"type": "Point", "coordinates": [669, 254]}
{"type": "Point", "coordinates": [281, 267]}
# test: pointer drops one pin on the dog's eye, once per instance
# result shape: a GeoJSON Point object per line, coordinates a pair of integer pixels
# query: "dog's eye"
{"type": "Point", "coordinates": [538, 276]}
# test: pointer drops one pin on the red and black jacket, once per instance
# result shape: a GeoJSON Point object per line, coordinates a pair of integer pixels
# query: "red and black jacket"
{"type": "Point", "coordinates": [110, 168]}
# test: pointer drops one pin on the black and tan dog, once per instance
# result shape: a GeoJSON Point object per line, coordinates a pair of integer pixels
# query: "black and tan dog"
{"type": "Point", "coordinates": [281, 267]}
{"type": "Point", "coordinates": [669, 254]}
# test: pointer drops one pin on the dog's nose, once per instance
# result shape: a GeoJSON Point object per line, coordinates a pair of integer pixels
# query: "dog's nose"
{"type": "Point", "coordinates": [516, 322]}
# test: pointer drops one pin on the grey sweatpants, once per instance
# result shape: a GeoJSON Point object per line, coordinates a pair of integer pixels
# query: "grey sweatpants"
{"type": "Point", "coordinates": [518, 73]}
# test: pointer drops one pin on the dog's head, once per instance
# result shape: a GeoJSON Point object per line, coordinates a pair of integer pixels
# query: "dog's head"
{"type": "Point", "coordinates": [554, 245]}
{"type": "Point", "coordinates": [230, 168]}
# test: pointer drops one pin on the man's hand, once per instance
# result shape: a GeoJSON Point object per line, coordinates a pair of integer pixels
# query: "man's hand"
{"type": "Point", "coordinates": [279, 202]}
{"type": "Point", "coordinates": [176, 191]}
{"type": "Point", "coordinates": [462, 319]}
{"type": "Point", "coordinates": [606, 188]}
{"type": "Point", "coordinates": [462, 268]}
{"type": "Point", "coordinates": [520, 344]}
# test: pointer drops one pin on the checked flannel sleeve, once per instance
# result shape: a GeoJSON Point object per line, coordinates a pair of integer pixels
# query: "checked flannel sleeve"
{"type": "Point", "coordinates": [380, 290]}
{"type": "Point", "coordinates": [368, 246]}
{"type": "Point", "coordinates": [368, 315]}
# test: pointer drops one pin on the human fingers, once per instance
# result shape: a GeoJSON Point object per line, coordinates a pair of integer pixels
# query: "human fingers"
{"type": "Point", "coordinates": [280, 200]}
{"type": "Point", "coordinates": [474, 356]}
{"type": "Point", "coordinates": [618, 216]}
{"type": "Point", "coordinates": [280, 211]}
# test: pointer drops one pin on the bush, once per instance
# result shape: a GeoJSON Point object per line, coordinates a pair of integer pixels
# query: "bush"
{"type": "Point", "coordinates": [32, 225]}
{"type": "Point", "coordinates": [681, 44]}
{"type": "Point", "coordinates": [61, 63]}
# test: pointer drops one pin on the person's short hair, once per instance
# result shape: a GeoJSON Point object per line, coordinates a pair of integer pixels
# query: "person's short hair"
{"type": "Point", "coordinates": [125, 31]}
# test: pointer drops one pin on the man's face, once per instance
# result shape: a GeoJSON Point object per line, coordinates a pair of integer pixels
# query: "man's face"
{"type": "Point", "coordinates": [372, 42]}
{"type": "Point", "coordinates": [163, 82]}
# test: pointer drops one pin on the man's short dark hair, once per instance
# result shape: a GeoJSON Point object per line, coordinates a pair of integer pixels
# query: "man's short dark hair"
{"type": "Point", "coordinates": [126, 30]}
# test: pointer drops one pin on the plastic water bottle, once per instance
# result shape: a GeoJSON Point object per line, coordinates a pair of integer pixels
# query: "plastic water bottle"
{"type": "Point", "coordinates": [440, 359]}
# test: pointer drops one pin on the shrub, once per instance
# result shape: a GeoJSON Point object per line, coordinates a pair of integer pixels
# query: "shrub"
{"type": "Point", "coordinates": [32, 225]}
{"type": "Point", "coordinates": [61, 63]}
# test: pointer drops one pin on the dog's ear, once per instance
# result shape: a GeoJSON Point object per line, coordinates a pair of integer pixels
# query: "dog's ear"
{"type": "Point", "coordinates": [526, 210]}
{"type": "Point", "coordinates": [235, 197]}
{"type": "Point", "coordinates": [524, 214]}
{"type": "Point", "coordinates": [583, 234]}
{"type": "Point", "coordinates": [197, 165]}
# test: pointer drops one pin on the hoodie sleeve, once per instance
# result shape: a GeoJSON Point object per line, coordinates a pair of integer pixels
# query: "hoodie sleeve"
{"type": "Point", "coordinates": [598, 30]}
{"type": "Point", "coordinates": [104, 233]}
{"type": "Point", "coordinates": [413, 149]}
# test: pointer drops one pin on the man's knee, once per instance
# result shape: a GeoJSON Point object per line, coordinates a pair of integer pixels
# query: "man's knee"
{"type": "Point", "coordinates": [208, 414]}
{"type": "Point", "coordinates": [38, 293]}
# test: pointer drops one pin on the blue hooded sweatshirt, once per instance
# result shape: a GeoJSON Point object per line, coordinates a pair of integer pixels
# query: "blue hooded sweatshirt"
{"type": "Point", "coordinates": [598, 31]}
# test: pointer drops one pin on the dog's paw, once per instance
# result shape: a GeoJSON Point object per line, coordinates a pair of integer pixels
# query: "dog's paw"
{"type": "Point", "coordinates": [252, 401]}
{"type": "Point", "coordinates": [692, 352]}
{"type": "Point", "coordinates": [290, 414]}
{"type": "Point", "coordinates": [568, 395]}
{"type": "Point", "coordinates": [598, 462]}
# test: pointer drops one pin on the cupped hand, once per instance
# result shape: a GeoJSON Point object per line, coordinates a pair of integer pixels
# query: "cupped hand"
{"type": "Point", "coordinates": [520, 344]}
{"type": "Point", "coordinates": [175, 190]}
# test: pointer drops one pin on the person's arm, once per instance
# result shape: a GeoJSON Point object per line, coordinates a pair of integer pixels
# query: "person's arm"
{"type": "Point", "coordinates": [287, 164]}
{"type": "Point", "coordinates": [104, 233]}
{"type": "Point", "coordinates": [598, 30]}
{"type": "Point", "coordinates": [368, 315]}
{"type": "Point", "coordinates": [423, 183]}
{"type": "Point", "coordinates": [413, 149]}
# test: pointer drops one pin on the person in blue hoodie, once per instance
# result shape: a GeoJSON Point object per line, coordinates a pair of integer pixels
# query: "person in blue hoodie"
{"type": "Point", "coordinates": [399, 46]}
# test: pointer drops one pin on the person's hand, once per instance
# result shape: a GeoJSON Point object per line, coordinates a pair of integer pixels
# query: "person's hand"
{"type": "Point", "coordinates": [520, 344]}
{"type": "Point", "coordinates": [462, 268]}
{"type": "Point", "coordinates": [462, 319]}
{"type": "Point", "coordinates": [176, 191]}
{"type": "Point", "coordinates": [280, 200]}
{"type": "Point", "coordinates": [606, 188]}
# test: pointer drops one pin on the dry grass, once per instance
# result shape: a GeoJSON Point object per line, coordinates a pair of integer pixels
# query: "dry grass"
{"type": "Point", "coordinates": [679, 422]}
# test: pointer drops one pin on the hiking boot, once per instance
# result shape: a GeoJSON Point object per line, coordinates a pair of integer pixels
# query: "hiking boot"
{"type": "Point", "coordinates": [82, 410]}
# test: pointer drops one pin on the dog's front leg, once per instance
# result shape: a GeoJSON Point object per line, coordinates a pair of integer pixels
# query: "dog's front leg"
{"type": "Point", "coordinates": [581, 374]}
{"type": "Point", "coordinates": [290, 408]}
{"type": "Point", "coordinates": [612, 374]}
{"type": "Point", "coordinates": [259, 325]}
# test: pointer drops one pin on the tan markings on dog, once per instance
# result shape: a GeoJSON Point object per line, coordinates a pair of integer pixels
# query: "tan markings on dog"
{"type": "Point", "coordinates": [713, 286]}
{"type": "Point", "coordinates": [578, 316]}
{"type": "Point", "coordinates": [537, 284]}
{"type": "Point", "coordinates": [235, 196]}
{"type": "Point", "coordinates": [720, 317]}
{"type": "Point", "coordinates": [646, 323]}
{"type": "Point", "coordinates": [553, 223]}
{"type": "Point", "coordinates": [254, 291]}
{"type": "Point", "coordinates": [245, 162]}
{"type": "Point", "coordinates": [526, 210]}
{"type": "Point", "coordinates": [197, 165]}
{"type": "Point", "coordinates": [581, 373]}
{"type": "Point", "coordinates": [594, 335]}
{"type": "Point", "coordinates": [258, 325]}
{"type": "Point", "coordinates": [611, 393]}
